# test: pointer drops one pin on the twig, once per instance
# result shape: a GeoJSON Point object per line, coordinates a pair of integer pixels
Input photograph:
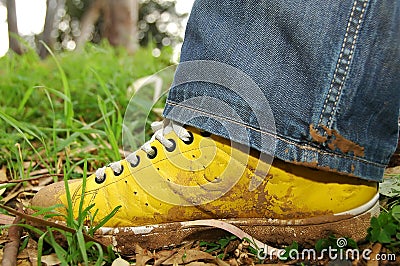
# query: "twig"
{"type": "Point", "coordinates": [30, 179]}
{"type": "Point", "coordinates": [11, 248]}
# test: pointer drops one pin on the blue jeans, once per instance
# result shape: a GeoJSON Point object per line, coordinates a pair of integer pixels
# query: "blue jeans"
{"type": "Point", "coordinates": [328, 72]}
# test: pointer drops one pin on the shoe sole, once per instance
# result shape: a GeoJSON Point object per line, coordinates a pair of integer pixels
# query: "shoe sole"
{"type": "Point", "coordinates": [273, 232]}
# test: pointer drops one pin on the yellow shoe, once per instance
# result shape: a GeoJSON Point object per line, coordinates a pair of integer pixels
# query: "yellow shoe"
{"type": "Point", "coordinates": [183, 174]}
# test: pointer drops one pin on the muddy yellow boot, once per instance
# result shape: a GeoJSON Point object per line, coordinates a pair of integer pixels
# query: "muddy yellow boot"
{"type": "Point", "coordinates": [183, 174]}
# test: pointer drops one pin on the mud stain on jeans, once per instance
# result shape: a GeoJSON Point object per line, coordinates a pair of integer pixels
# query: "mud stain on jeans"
{"type": "Point", "coordinates": [333, 140]}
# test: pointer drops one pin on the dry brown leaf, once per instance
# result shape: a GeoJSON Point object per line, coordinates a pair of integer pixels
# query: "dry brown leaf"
{"type": "Point", "coordinates": [23, 254]}
{"type": "Point", "coordinates": [31, 249]}
{"type": "Point", "coordinates": [50, 260]}
{"type": "Point", "coordinates": [2, 190]}
{"type": "Point", "coordinates": [233, 262]}
{"type": "Point", "coordinates": [187, 256]}
{"type": "Point", "coordinates": [163, 255]}
{"type": "Point", "coordinates": [3, 174]}
{"type": "Point", "coordinates": [59, 165]}
{"type": "Point", "coordinates": [25, 198]}
{"type": "Point", "coordinates": [2, 241]}
{"type": "Point", "coordinates": [392, 170]}
{"type": "Point", "coordinates": [6, 219]}
{"type": "Point", "coordinates": [45, 181]}
{"type": "Point", "coordinates": [142, 256]}
{"type": "Point", "coordinates": [273, 264]}
{"type": "Point", "coordinates": [120, 262]}
{"type": "Point", "coordinates": [200, 263]}
{"type": "Point", "coordinates": [78, 169]}
{"type": "Point", "coordinates": [221, 262]}
{"type": "Point", "coordinates": [39, 172]}
{"type": "Point", "coordinates": [24, 262]}
{"type": "Point", "coordinates": [28, 164]}
{"type": "Point", "coordinates": [3, 178]}
{"type": "Point", "coordinates": [13, 194]}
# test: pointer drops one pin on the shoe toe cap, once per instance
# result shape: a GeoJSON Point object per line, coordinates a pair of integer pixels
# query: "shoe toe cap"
{"type": "Point", "coordinates": [49, 195]}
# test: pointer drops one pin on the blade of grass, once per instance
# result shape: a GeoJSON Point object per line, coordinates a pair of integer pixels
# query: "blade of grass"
{"type": "Point", "coordinates": [44, 210]}
{"type": "Point", "coordinates": [79, 133]}
{"type": "Point", "coordinates": [22, 128]}
{"type": "Point", "coordinates": [68, 108]}
{"type": "Point", "coordinates": [61, 253]}
{"type": "Point", "coordinates": [108, 129]}
{"type": "Point", "coordinates": [19, 126]}
{"type": "Point", "coordinates": [119, 119]}
{"type": "Point", "coordinates": [99, 251]}
{"type": "Point", "coordinates": [25, 99]}
{"type": "Point", "coordinates": [70, 210]}
{"type": "Point", "coordinates": [40, 248]}
{"type": "Point", "coordinates": [82, 246]}
{"type": "Point", "coordinates": [83, 187]}
{"type": "Point", "coordinates": [104, 220]}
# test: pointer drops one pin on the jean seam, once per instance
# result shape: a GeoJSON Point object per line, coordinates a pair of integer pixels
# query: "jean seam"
{"type": "Point", "coordinates": [276, 136]}
{"type": "Point", "coordinates": [343, 62]}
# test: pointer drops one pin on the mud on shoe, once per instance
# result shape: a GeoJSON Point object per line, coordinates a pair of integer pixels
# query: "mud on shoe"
{"type": "Point", "coordinates": [183, 174]}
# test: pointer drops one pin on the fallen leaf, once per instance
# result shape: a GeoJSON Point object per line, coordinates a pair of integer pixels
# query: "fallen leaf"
{"type": "Point", "coordinates": [2, 241]}
{"type": "Point", "coordinates": [6, 219]}
{"type": "Point", "coordinates": [3, 174]}
{"type": "Point", "coordinates": [142, 256]}
{"type": "Point", "coordinates": [39, 172]}
{"type": "Point", "coordinates": [120, 262]}
{"type": "Point", "coordinates": [45, 181]}
{"type": "Point", "coordinates": [50, 260]}
{"type": "Point", "coordinates": [187, 256]}
{"type": "Point", "coordinates": [13, 194]}
{"type": "Point", "coordinates": [221, 262]}
{"type": "Point", "coordinates": [233, 262]}
{"type": "Point", "coordinates": [3, 178]}
{"type": "Point", "coordinates": [28, 164]}
{"type": "Point", "coordinates": [392, 171]}
{"type": "Point", "coordinates": [163, 255]}
{"type": "Point", "coordinates": [24, 262]}
{"type": "Point", "coordinates": [200, 263]}
{"type": "Point", "coordinates": [32, 251]}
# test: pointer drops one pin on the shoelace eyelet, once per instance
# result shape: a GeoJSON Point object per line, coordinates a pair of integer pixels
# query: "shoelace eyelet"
{"type": "Point", "coordinates": [122, 169]}
{"type": "Point", "coordinates": [137, 163]}
{"type": "Point", "coordinates": [190, 140]}
{"type": "Point", "coordinates": [172, 148]}
{"type": "Point", "coordinates": [152, 156]}
{"type": "Point", "coordinates": [99, 181]}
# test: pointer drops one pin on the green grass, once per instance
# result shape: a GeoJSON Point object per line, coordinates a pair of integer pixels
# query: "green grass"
{"type": "Point", "coordinates": [69, 103]}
